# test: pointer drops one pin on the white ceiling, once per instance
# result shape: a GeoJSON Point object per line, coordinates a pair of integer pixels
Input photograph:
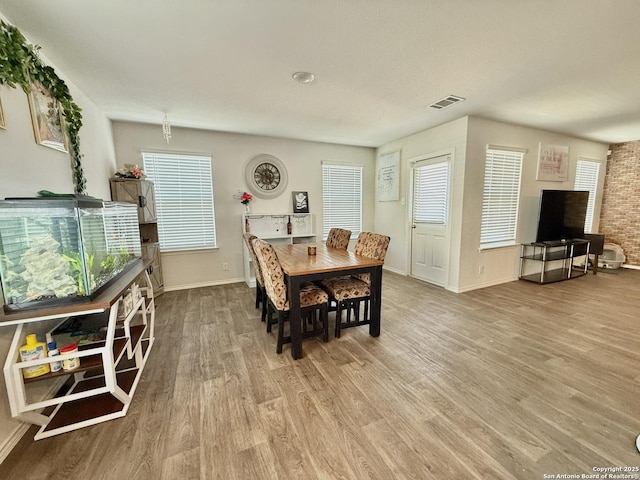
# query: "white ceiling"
{"type": "Point", "coordinates": [570, 66]}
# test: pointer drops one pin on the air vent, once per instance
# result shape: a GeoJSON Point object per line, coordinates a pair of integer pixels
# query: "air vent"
{"type": "Point", "coordinates": [446, 102]}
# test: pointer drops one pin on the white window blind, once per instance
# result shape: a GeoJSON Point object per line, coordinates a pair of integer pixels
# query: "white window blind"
{"type": "Point", "coordinates": [587, 173]}
{"type": "Point", "coordinates": [342, 198]}
{"type": "Point", "coordinates": [184, 200]}
{"type": "Point", "coordinates": [501, 197]}
{"type": "Point", "coordinates": [431, 193]}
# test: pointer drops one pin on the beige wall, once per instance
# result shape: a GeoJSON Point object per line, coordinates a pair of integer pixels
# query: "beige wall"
{"type": "Point", "coordinates": [229, 153]}
{"type": "Point", "coordinates": [621, 202]}
{"type": "Point", "coordinates": [393, 218]}
{"type": "Point", "coordinates": [468, 138]}
{"type": "Point", "coordinates": [501, 264]}
{"type": "Point", "coordinates": [26, 168]}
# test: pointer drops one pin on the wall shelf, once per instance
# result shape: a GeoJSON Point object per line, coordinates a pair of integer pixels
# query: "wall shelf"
{"type": "Point", "coordinates": [273, 228]}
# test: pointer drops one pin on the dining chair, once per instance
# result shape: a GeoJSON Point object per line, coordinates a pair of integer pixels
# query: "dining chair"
{"type": "Point", "coordinates": [338, 238]}
{"type": "Point", "coordinates": [347, 292]}
{"type": "Point", "coordinates": [312, 299]}
{"type": "Point", "coordinates": [261, 294]}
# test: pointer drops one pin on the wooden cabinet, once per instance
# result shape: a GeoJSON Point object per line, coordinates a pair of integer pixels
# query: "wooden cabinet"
{"type": "Point", "coordinates": [141, 192]}
{"type": "Point", "coordinates": [273, 229]}
{"type": "Point", "coordinates": [151, 251]}
{"type": "Point", "coordinates": [136, 191]}
{"type": "Point", "coordinates": [101, 388]}
{"type": "Point", "coordinates": [549, 262]}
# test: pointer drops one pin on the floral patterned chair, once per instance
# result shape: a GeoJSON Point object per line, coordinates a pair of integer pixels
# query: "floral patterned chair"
{"type": "Point", "coordinates": [338, 238]}
{"type": "Point", "coordinates": [261, 294]}
{"type": "Point", "coordinates": [349, 291]}
{"type": "Point", "coordinates": [312, 298]}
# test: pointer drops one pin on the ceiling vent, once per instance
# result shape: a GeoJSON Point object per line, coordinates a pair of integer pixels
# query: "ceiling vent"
{"type": "Point", "coordinates": [446, 102]}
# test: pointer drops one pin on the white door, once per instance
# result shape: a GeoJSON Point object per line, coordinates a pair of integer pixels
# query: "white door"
{"type": "Point", "coordinates": [430, 220]}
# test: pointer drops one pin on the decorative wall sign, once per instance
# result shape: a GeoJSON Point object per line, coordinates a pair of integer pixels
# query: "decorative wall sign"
{"type": "Point", "coordinates": [553, 163]}
{"type": "Point", "coordinates": [388, 177]}
{"type": "Point", "coordinates": [46, 115]}
{"type": "Point", "coordinates": [300, 202]}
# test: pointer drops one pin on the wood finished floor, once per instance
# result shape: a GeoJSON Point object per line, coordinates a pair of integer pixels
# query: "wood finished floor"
{"type": "Point", "coordinates": [508, 382]}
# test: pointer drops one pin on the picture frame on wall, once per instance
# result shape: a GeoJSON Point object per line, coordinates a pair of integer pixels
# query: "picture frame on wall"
{"type": "Point", "coordinates": [300, 202]}
{"type": "Point", "coordinates": [3, 123]}
{"type": "Point", "coordinates": [553, 163]}
{"type": "Point", "coordinates": [47, 118]}
{"type": "Point", "coordinates": [388, 177]}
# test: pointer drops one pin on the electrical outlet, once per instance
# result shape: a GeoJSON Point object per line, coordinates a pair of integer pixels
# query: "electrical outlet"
{"type": "Point", "coordinates": [225, 267]}
{"type": "Point", "coordinates": [480, 269]}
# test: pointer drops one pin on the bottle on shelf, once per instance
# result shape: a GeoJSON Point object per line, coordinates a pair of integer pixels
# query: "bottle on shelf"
{"type": "Point", "coordinates": [34, 350]}
{"type": "Point", "coordinates": [289, 226]}
{"type": "Point", "coordinates": [247, 228]}
{"type": "Point", "coordinates": [53, 351]}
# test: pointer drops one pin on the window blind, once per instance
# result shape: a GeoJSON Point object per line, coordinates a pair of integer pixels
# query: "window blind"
{"type": "Point", "coordinates": [184, 200]}
{"type": "Point", "coordinates": [501, 197]}
{"type": "Point", "coordinates": [587, 172]}
{"type": "Point", "coordinates": [341, 198]}
{"type": "Point", "coordinates": [431, 193]}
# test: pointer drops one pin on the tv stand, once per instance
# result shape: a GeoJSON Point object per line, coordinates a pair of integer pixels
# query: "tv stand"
{"type": "Point", "coordinates": [547, 262]}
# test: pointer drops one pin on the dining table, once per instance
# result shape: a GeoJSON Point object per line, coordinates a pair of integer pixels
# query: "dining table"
{"type": "Point", "coordinates": [300, 265]}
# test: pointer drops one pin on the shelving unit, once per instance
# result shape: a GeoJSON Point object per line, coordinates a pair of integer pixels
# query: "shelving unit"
{"type": "Point", "coordinates": [102, 387]}
{"type": "Point", "coordinates": [273, 228]}
{"type": "Point", "coordinates": [549, 262]}
{"type": "Point", "coordinates": [142, 193]}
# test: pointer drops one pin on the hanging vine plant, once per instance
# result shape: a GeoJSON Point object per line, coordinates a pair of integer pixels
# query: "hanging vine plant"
{"type": "Point", "coordinates": [21, 65]}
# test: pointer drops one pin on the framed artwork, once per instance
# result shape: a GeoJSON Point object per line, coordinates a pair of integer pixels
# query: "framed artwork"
{"type": "Point", "coordinates": [553, 163]}
{"type": "Point", "coordinates": [388, 177]}
{"type": "Point", "coordinates": [3, 124]}
{"type": "Point", "coordinates": [47, 119]}
{"type": "Point", "coordinates": [300, 202]}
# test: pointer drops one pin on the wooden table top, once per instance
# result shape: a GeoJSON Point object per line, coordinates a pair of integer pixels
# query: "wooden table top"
{"type": "Point", "coordinates": [296, 261]}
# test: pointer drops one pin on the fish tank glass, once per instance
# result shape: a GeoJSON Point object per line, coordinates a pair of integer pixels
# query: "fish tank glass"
{"type": "Point", "coordinates": [57, 251]}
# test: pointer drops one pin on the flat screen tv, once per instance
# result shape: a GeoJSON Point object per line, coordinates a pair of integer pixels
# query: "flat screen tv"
{"type": "Point", "coordinates": [562, 215]}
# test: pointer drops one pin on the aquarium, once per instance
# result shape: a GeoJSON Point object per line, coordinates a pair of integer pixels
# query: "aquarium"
{"type": "Point", "coordinates": [55, 251]}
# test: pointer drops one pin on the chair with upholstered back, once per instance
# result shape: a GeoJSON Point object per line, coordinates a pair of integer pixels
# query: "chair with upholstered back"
{"type": "Point", "coordinates": [348, 292]}
{"type": "Point", "coordinates": [372, 245]}
{"type": "Point", "coordinates": [261, 294]}
{"type": "Point", "coordinates": [338, 238]}
{"type": "Point", "coordinates": [312, 298]}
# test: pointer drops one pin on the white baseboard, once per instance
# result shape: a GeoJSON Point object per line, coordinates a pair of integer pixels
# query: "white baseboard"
{"type": "Point", "coordinates": [202, 284]}
{"type": "Point", "coordinates": [394, 270]}
{"type": "Point", "coordinates": [16, 435]}
{"type": "Point", "coordinates": [482, 285]}
{"type": "Point", "coordinates": [12, 440]}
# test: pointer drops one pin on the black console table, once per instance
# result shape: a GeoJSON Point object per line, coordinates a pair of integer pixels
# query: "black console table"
{"type": "Point", "coordinates": [548, 262]}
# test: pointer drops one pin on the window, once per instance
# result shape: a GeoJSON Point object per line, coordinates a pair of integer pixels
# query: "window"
{"type": "Point", "coordinates": [501, 196]}
{"type": "Point", "coordinates": [587, 173]}
{"type": "Point", "coordinates": [341, 198]}
{"type": "Point", "coordinates": [184, 200]}
{"type": "Point", "coordinates": [431, 193]}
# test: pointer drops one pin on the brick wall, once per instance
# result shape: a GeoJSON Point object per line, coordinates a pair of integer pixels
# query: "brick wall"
{"type": "Point", "coordinates": [620, 213]}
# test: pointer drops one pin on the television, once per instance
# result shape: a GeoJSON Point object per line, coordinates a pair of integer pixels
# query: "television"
{"type": "Point", "coordinates": [562, 215]}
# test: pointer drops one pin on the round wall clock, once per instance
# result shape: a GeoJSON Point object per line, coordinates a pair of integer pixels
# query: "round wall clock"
{"type": "Point", "coordinates": [266, 176]}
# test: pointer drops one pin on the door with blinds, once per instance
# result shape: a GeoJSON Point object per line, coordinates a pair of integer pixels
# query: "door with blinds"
{"type": "Point", "coordinates": [430, 220]}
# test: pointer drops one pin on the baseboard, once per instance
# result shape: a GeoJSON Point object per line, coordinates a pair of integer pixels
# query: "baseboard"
{"type": "Point", "coordinates": [202, 284]}
{"type": "Point", "coordinates": [12, 440]}
{"type": "Point", "coordinates": [14, 437]}
{"type": "Point", "coordinates": [394, 270]}
{"type": "Point", "coordinates": [478, 286]}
